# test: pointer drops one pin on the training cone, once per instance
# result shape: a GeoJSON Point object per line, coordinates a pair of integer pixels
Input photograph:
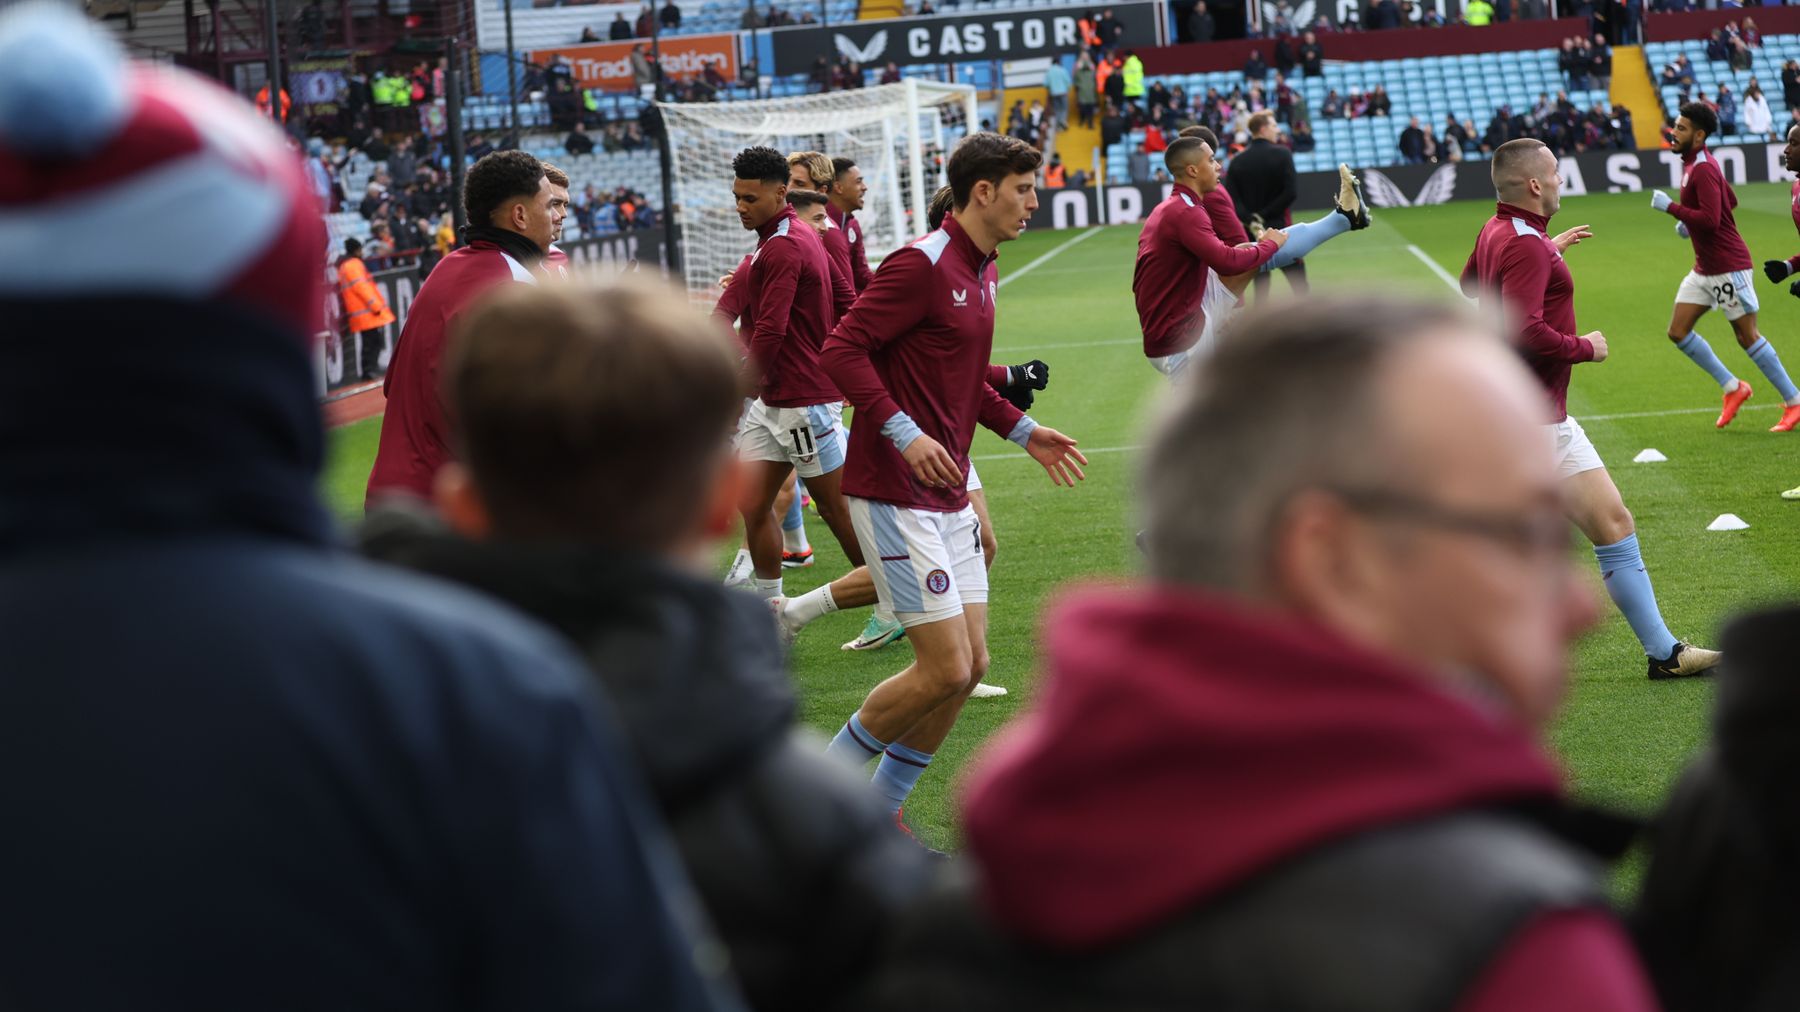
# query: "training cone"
{"type": "Point", "coordinates": [1650, 456]}
{"type": "Point", "coordinates": [1728, 522]}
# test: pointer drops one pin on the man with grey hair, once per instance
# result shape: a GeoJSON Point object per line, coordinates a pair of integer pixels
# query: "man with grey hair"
{"type": "Point", "coordinates": [1517, 271]}
{"type": "Point", "coordinates": [1348, 774]}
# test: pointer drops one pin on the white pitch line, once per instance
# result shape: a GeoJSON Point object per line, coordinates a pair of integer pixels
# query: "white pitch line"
{"type": "Point", "coordinates": [1443, 275]}
{"type": "Point", "coordinates": [1021, 272]}
{"type": "Point", "coordinates": [1084, 452]}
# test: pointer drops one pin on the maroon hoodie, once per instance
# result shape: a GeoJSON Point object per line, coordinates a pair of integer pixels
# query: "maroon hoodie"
{"type": "Point", "coordinates": [1157, 771]}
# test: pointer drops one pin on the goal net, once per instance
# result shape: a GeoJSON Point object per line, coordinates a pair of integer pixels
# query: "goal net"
{"type": "Point", "coordinates": [898, 135]}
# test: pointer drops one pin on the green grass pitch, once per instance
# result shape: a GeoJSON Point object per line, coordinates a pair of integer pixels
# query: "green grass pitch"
{"type": "Point", "coordinates": [1622, 738]}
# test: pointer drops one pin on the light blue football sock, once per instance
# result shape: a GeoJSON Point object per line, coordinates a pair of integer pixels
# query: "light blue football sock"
{"type": "Point", "coordinates": [1306, 237]}
{"type": "Point", "coordinates": [854, 745]}
{"type": "Point", "coordinates": [1695, 347]}
{"type": "Point", "coordinates": [1622, 567]}
{"type": "Point", "coordinates": [900, 770]}
{"type": "Point", "coordinates": [795, 517]}
{"type": "Point", "coordinates": [1763, 354]}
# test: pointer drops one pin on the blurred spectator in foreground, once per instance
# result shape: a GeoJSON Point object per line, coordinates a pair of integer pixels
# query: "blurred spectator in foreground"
{"type": "Point", "coordinates": [281, 777]}
{"type": "Point", "coordinates": [1352, 779]}
{"type": "Point", "coordinates": [796, 860]}
{"type": "Point", "coordinates": [1716, 916]}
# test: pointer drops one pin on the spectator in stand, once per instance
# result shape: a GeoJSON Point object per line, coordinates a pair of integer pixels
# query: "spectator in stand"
{"type": "Point", "coordinates": [890, 74]}
{"type": "Point", "coordinates": [1750, 34]}
{"type": "Point", "coordinates": [1374, 734]}
{"type": "Point", "coordinates": [1412, 143]}
{"type": "Point", "coordinates": [1431, 147]}
{"type": "Point", "coordinates": [1254, 67]}
{"type": "Point", "coordinates": [620, 31]}
{"type": "Point", "coordinates": [1742, 58]}
{"type": "Point", "coordinates": [578, 142]}
{"type": "Point", "coordinates": [1713, 919]}
{"type": "Point", "coordinates": [280, 771]}
{"type": "Point", "coordinates": [1600, 64]}
{"type": "Point", "coordinates": [1057, 84]}
{"type": "Point", "coordinates": [403, 164]}
{"type": "Point", "coordinates": [479, 148]}
{"type": "Point", "coordinates": [1717, 49]}
{"type": "Point", "coordinates": [669, 17]}
{"type": "Point", "coordinates": [404, 230]}
{"type": "Point", "coordinates": [1301, 136]}
{"type": "Point", "coordinates": [1312, 55]}
{"type": "Point", "coordinates": [643, 74]}
{"type": "Point", "coordinates": [1568, 61]}
{"type": "Point", "coordinates": [379, 250]}
{"type": "Point", "coordinates": [1454, 134]}
{"type": "Point", "coordinates": [1625, 139]}
{"type": "Point", "coordinates": [1726, 103]}
{"type": "Point", "coordinates": [1379, 102]}
{"type": "Point", "coordinates": [1759, 121]}
{"type": "Point", "coordinates": [778, 838]}
{"type": "Point", "coordinates": [1087, 90]}
{"type": "Point", "coordinates": [1114, 86]}
{"type": "Point", "coordinates": [373, 203]}
{"type": "Point", "coordinates": [1112, 30]}
{"type": "Point", "coordinates": [1383, 15]}
{"type": "Point", "coordinates": [853, 74]}
{"type": "Point", "coordinates": [1478, 13]}
{"type": "Point", "coordinates": [645, 26]}
{"type": "Point", "coordinates": [588, 35]}
{"type": "Point", "coordinates": [320, 180]}
{"type": "Point", "coordinates": [1200, 25]}
{"type": "Point", "coordinates": [1333, 106]}
{"type": "Point", "coordinates": [1358, 105]}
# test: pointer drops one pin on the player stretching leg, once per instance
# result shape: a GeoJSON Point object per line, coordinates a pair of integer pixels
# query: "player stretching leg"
{"type": "Point", "coordinates": [1350, 214]}
{"type": "Point", "coordinates": [793, 425]}
{"type": "Point", "coordinates": [1518, 273]}
{"type": "Point", "coordinates": [912, 356]}
{"type": "Point", "coordinates": [1721, 277]}
{"type": "Point", "coordinates": [1181, 261]}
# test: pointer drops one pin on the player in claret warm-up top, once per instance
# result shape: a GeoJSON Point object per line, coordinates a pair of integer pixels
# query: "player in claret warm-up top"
{"type": "Point", "coordinates": [912, 357]}
{"type": "Point", "coordinates": [1517, 272]}
{"type": "Point", "coordinates": [1721, 278]}
{"type": "Point", "coordinates": [1781, 270]}
{"type": "Point", "coordinates": [786, 310]}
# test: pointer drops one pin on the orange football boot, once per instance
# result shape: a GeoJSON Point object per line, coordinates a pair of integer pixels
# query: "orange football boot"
{"type": "Point", "coordinates": [1733, 401]}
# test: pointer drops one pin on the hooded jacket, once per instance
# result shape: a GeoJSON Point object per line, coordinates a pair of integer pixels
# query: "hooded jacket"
{"type": "Point", "coordinates": [1717, 918]}
{"type": "Point", "coordinates": [1190, 820]}
{"type": "Point", "coordinates": [800, 868]}
{"type": "Point", "coordinates": [242, 768]}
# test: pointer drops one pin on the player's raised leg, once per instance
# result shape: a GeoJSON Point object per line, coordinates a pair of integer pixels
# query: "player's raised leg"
{"type": "Point", "coordinates": [1767, 360]}
{"type": "Point", "coordinates": [1594, 505]}
{"type": "Point", "coordinates": [1350, 214]}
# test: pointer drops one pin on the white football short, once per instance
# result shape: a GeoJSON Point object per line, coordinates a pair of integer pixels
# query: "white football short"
{"type": "Point", "coordinates": [1575, 453]}
{"type": "Point", "coordinates": [810, 438]}
{"type": "Point", "coordinates": [1734, 293]}
{"type": "Point", "coordinates": [974, 482]}
{"type": "Point", "coordinates": [926, 564]}
{"type": "Point", "coordinates": [1219, 304]}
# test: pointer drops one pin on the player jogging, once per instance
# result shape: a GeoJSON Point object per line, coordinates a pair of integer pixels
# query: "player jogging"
{"type": "Point", "coordinates": [793, 424]}
{"type": "Point", "coordinates": [811, 171]}
{"type": "Point", "coordinates": [912, 356]}
{"type": "Point", "coordinates": [1181, 261]}
{"type": "Point", "coordinates": [556, 262]}
{"type": "Point", "coordinates": [847, 192]}
{"type": "Point", "coordinates": [1518, 273]}
{"type": "Point", "coordinates": [1781, 270]}
{"type": "Point", "coordinates": [1721, 278]}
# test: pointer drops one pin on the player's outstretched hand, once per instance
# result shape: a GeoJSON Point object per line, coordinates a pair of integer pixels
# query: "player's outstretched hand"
{"type": "Point", "coordinates": [1058, 454]}
{"type": "Point", "coordinates": [725, 281]}
{"type": "Point", "coordinates": [1034, 374]}
{"type": "Point", "coordinates": [1276, 234]}
{"type": "Point", "coordinates": [1660, 200]}
{"type": "Point", "coordinates": [1598, 340]}
{"type": "Point", "coordinates": [1681, 229]}
{"type": "Point", "coordinates": [931, 463]}
{"type": "Point", "coordinates": [1777, 270]}
{"type": "Point", "coordinates": [1571, 238]}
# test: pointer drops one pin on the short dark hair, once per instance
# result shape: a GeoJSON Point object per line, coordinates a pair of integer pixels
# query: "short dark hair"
{"type": "Point", "coordinates": [1183, 152]}
{"type": "Point", "coordinates": [1702, 117]}
{"type": "Point", "coordinates": [591, 412]}
{"type": "Point", "coordinates": [939, 207]}
{"type": "Point", "coordinates": [353, 247]}
{"type": "Point", "coordinates": [1204, 133]}
{"type": "Point", "coordinates": [498, 178]}
{"type": "Point", "coordinates": [805, 198]}
{"type": "Point", "coordinates": [841, 165]}
{"type": "Point", "coordinates": [763, 164]}
{"type": "Point", "coordinates": [987, 156]}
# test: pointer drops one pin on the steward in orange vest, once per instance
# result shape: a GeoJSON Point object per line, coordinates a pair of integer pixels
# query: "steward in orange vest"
{"type": "Point", "coordinates": [262, 102]}
{"type": "Point", "coordinates": [364, 306]}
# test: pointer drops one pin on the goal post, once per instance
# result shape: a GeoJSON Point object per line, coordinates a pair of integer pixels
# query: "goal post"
{"type": "Point", "coordinates": [898, 135]}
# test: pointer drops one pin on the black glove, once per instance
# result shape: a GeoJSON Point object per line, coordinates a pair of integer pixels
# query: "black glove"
{"type": "Point", "coordinates": [1034, 374]}
{"type": "Point", "coordinates": [1794, 289]}
{"type": "Point", "coordinates": [1021, 396]}
{"type": "Point", "coordinates": [1777, 270]}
